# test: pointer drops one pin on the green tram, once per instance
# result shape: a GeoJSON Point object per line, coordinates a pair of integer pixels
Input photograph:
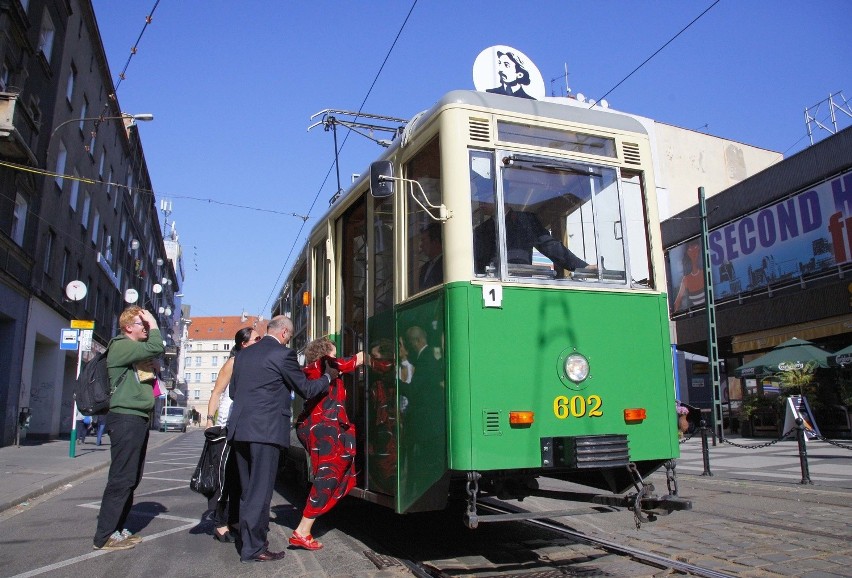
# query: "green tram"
{"type": "Point", "coordinates": [495, 360]}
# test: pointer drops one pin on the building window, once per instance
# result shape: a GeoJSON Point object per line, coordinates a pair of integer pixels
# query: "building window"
{"type": "Point", "coordinates": [187, 377]}
{"type": "Point", "coordinates": [87, 205]}
{"type": "Point", "coordinates": [48, 251]}
{"type": "Point", "coordinates": [101, 166]}
{"type": "Point", "coordinates": [61, 157]}
{"type": "Point", "coordinates": [189, 346]}
{"type": "Point", "coordinates": [187, 361]}
{"type": "Point", "coordinates": [96, 225]}
{"type": "Point", "coordinates": [69, 87]}
{"type": "Point", "coordinates": [197, 377]}
{"type": "Point", "coordinates": [19, 219]}
{"type": "Point", "coordinates": [45, 37]}
{"type": "Point", "coordinates": [75, 191]}
{"type": "Point", "coordinates": [83, 110]}
{"type": "Point", "coordinates": [4, 77]}
{"type": "Point", "coordinates": [214, 376]}
{"type": "Point", "coordinates": [215, 347]}
{"type": "Point", "coordinates": [215, 361]}
{"type": "Point", "coordinates": [196, 393]}
{"type": "Point", "coordinates": [198, 361]}
{"type": "Point", "coordinates": [66, 264]}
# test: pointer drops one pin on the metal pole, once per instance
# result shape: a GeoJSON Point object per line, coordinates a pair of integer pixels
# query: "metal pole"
{"type": "Point", "coordinates": [710, 305]}
{"type": "Point", "coordinates": [705, 450]}
{"type": "Point", "coordinates": [72, 446]}
{"type": "Point", "coordinates": [803, 451]}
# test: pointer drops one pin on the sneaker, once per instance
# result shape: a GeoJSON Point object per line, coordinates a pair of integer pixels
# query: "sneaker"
{"type": "Point", "coordinates": [115, 542]}
{"type": "Point", "coordinates": [130, 536]}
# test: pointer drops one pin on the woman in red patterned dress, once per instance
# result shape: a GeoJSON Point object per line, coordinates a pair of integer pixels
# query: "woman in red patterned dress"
{"type": "Point", "coordinates": [328, 436]}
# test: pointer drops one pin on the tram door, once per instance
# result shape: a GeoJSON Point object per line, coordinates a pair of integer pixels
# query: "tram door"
{"type": "Point", "coordinates": [353, 303]}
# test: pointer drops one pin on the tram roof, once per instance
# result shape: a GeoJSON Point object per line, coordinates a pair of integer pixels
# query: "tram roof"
{"type": "Point", "coordinates": [556, 108]}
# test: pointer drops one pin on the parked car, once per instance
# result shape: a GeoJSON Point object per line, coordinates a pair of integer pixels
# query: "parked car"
{"type": "Point", "coordinates": [174, 418]}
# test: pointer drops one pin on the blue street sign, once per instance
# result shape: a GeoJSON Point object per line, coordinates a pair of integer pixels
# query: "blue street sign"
{"type": "Point", "coordinates": [68, 339]}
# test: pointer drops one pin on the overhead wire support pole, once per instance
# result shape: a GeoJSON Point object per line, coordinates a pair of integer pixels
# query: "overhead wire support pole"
{"type": "Point", "coordinates": [712, 345]}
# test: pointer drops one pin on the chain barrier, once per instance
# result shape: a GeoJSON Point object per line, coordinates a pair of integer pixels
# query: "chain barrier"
{"type": "Point", "coordinates": [799, 433]}
{"type": "Point", "coordinates": [828, 441]}
{"type": "Point", "coordinates": [755, 446]}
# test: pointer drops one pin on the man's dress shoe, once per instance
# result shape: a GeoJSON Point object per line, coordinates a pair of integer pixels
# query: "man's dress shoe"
{"type": "Point", "coordinates": [266, 556]}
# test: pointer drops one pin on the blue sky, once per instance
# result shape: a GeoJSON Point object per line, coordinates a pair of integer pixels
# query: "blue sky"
{"type": "Point", "coordinates": [233, 86]}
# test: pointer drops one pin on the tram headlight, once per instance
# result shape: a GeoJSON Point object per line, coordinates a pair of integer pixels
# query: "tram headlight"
{"type": "Point", "coordinates": [576, 367]}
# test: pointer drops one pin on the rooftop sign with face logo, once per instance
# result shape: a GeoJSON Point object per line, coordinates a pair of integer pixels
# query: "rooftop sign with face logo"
{"type": "Point", "coordinates": [505, 70]}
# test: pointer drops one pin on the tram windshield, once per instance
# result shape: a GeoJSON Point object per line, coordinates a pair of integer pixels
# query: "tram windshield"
{"type": "Point", "coordinates": [546, 219]}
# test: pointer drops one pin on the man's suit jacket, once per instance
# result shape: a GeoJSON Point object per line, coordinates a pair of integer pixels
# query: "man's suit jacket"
{"type": "Point", "coordinates": [264, 375]}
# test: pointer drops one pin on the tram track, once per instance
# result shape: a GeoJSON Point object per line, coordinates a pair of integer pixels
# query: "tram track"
{"type": "Point", "coordinates": [643, 556]}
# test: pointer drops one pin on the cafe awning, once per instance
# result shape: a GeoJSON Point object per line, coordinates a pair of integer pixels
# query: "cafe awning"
{"type": "Point", "coordinates": [793, 354]}
{"type": "Point", "coordinates": [841, 358]}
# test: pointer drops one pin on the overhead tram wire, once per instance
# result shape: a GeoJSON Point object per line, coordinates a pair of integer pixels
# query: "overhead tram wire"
{"type": "Point", "coordinates": [121, 76]}
{"type": "Point", "coordinates": [143, 191]}
{"type": "Point", "coordinates": [349, 131]}
{"type": "Point", "coordinates": [660, 49]}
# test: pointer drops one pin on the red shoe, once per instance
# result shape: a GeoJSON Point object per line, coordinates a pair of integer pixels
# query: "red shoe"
{"type": "Point", "coordinates": [306, 542]}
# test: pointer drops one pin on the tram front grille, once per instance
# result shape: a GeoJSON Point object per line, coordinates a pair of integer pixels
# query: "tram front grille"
{"type": "Point", "coordinates": [585, 452]}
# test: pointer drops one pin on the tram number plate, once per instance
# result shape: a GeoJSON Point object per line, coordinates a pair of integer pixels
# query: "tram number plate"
{"type": "Point", "coordinates": [577, 406]}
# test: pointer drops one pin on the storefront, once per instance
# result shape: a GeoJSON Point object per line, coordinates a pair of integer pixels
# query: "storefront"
{"type": "Point", "coordinates": [780, 248]}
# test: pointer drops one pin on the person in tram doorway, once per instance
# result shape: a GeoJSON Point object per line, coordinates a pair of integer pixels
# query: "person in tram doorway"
{"type": "Point", "coordinates": [328, 436]}
{"type": "Point", "coordinates": [264, 377]}
{"type": "Point", "coordinates": [432, 271]}
{"type": "Point", "coordinates": [225, 501]}
{"type": "Point", "coordinates": [131, 354]}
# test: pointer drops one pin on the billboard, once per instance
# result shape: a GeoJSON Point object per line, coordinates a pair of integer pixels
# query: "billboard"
{"type": "Point", "coordinates": [796, 238]}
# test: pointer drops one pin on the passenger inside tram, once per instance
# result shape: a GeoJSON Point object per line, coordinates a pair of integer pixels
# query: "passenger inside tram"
{"type": "Point", "coordinates": [524, 231]}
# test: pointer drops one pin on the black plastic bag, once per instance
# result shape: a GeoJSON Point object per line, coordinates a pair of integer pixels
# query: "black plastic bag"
{"type": "Point", "coordinates": [205, 478]}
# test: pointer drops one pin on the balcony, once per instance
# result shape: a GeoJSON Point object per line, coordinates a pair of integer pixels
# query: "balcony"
{"type": "Point", "coordinates": [16, 128]}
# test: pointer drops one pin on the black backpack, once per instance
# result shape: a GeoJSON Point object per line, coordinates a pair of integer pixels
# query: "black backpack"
{"type": "Point", "coordinates": [93, 389]}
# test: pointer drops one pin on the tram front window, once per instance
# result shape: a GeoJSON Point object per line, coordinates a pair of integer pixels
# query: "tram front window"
{"type": "Point", "coordinates": [558, 220]}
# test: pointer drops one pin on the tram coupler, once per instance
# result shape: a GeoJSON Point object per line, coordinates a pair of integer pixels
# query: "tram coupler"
{"type": "Point", "coordinates": [655, 505]}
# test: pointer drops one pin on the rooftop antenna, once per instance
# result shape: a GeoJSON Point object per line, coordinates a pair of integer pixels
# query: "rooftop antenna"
{"type": "Point", "coordinates": [812, 112]}
{"type": "Point", "coordinates": [565, 76]}
{"type": "Point", "coordinates": [166, 208]}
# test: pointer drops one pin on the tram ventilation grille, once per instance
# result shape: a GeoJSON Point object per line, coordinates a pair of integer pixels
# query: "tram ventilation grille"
{"type": "Point", "coordinates": [582, 452]}
{"type": "Point", "coordinates": [491, 422]}
{"type": "Point", "coordinates": [480, 130]}
{"type": "Point", "coordinates": [631, 153]}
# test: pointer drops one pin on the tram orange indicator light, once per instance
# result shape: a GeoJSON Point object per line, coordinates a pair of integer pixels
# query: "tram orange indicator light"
{"type": "Point", "coordinates": [306, 298]}
{"type": "Point", "coordinates": [635, 415]}
{"type": "Point", "coordinates": [521, 417]}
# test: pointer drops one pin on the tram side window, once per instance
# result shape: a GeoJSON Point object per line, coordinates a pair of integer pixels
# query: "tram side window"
{"type": "Point", "coordinates": [425, 234]}
{"type": "Point", "coordinates": [300, 310]}
{"type": "Point", "coordinates": [320, 315]}
{"type": "Point", "coordinates": [483, 210]}
{"type": "Point", "coordinates": [383, 254]}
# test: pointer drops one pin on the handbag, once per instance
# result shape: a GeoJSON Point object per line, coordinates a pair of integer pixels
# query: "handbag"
{"type": "Point", "coordinates": [204, 479]}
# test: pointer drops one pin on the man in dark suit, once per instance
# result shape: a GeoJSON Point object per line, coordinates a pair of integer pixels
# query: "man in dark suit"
{"type": "Point", "coordinates": [432, 271]}
{"type": "Point", "coordinates": [264, 375]}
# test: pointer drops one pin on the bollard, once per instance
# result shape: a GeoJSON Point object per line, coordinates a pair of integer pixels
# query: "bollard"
{"type": "Point", "coordinates": [705, 449]}
{"type": "Point", "coordinates": [803, 451]}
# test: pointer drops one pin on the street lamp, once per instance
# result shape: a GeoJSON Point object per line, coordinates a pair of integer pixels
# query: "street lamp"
{"type": "Point", "coordinates": [132, 117]}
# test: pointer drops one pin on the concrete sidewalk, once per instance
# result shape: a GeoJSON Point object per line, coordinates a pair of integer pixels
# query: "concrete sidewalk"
{"type": "Point", "coordinates": [36, 468]}
{"type": "Point", "coordinates": [829, 463]}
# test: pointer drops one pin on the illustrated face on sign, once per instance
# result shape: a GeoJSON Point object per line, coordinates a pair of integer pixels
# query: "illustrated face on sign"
{"type": "Point", "coordinates": [507, 70]}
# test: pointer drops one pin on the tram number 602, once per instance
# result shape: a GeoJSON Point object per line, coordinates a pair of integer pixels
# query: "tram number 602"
{"type": "Point", "coordinates": [577, 406]}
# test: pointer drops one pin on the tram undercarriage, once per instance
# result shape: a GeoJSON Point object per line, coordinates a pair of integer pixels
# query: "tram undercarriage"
{"type": "Point", "coordinates": [519, 484]}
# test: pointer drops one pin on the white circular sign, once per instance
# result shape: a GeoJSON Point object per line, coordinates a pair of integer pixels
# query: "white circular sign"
{"type": "Point", "coordinates": [157, 288]}
{"type": "Point", "coordinates": [504, 70]}
{"type": "Point", "coordinates": [76, 290]}
{"type": "Point", "coordinates": [131, 296]}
